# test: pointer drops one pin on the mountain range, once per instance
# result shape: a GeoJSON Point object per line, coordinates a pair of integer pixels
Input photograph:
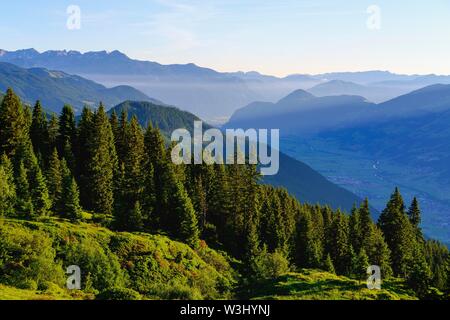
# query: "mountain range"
{"type": "Point", "coordinates": [56, 88]}
{"type": "Point", "coordinates": [213, 95]}
{"type": "Point", "coordinates": [369, 148]}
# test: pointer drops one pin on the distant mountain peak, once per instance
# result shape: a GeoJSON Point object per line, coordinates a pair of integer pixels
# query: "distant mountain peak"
{"type": "Point", "coordinates": [296, 96]}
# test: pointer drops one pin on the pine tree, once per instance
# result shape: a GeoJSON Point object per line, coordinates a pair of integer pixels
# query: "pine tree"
{"type": "Point", "coordinates": [39, 131]}
{"type": "Point", "coordinates": [366, 226]}
{"type": "Point", "coordinates": [380, 254]}
{"type": "Point", "coordinates": [54, 181]}
{"type": "Point", "coordinates": [39, 193]}
{"type": "Point", "coordinates": [415, 218]}
{"type": "Point", "coordinates": [121, 136]}
{"type": "Point", "coordinates": [130, 184]}
{"type": "Point", "coordinates": [362, 263]}
{"type": "Point", "coordinates": [328, 265]}
{"type": "Point", "coordinates": [156, 178]}
{"type": "Point", "coordinates": [184, 214]}
{"type": "Point", "coordinates": [70, 200]}
{"type": "Point", "coordinates": [52, 133]}
{"type": "Point", "coordinates": [67, 136]}
{"type": "Point", "coordinates": [83, 154]}
{"type": "Point", "coordinates": [354, 224]}
{"type": "Point", "coordinates": [414, 213]}
{"type": "Point", "coordinates": [135, 218]}
{"type": "Point", "coordinates": [219, 201]}
{"type": "Point", "coordinates": [102, 164]}
{"type": "Point", "coordinates": [24, 205]}
{"type": "Point", "coordinates": [340, 249]}
{"type": "Point", "coordinates": [419, 276]}
{"type": "Point", "coordinates": [308, 254]}
{"type": "Point", "coordinates": [13, 124]}
{"type": "Point", "coordinates": [7, 187]}
{"type": "Point", "coordinates": [398, 233]}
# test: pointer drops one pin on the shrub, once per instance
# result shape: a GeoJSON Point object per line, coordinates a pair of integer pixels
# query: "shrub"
{"type": "Point", "coordinates": [174, 291]}
{"type": "Point", "coordinates": [27, 259]}
{"type": "Point", "coordinates": [118, 293]}
{"type": "Point", "coordinates": [95, 262]}
{"type": "Point", "coordinates": [270, 265]}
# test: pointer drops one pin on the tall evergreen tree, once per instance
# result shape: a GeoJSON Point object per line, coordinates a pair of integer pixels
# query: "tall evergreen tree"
{"type": "Point", "coordinates": [415, 217]}
{"type": "Point", "coordinates": [39, 193]}
{"type": "Point", "coordinates": [362, 263]}
{"type": "Point", "coordinates": [7, 187]}
{"type": "Point", "coordinates": [70, 198]}
{"type": "Point", "coordinates": [366, 226]}
{"type": "Point", "coordinates": [13, 124]}
{"type": "Point", "coordinates": [340, 249]}
{"type": "Point", "coordinates": [135, 218]}
{"type": "Point", "coordinates": [102, 164]}
{"type": "Point", "coordinates": [67, 135]}
{"type": "Point", "coordinates": [52, 133]}
{"type": "Point", "coordinates": [328, 265]}
{"type": "Point", "coordinates": [83, 154]}
{"type": "Point", "coordinates": [24, 205]}
{"type": "Point", "coordinates": [398, 233]}
{"type": "Point", "coordinates": [419, 277]}
{"type": "Point", "coordinates": [54, 181]}
{"type": "Point", "coordinates": [308, 254]}
{"type": "Point", "coordinates": [182, 210]}
{"type": "Point", "coordinates": [39, 131]}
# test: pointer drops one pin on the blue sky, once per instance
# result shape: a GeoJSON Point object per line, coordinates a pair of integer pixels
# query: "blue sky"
{"type": "Point", "coordinates": [272, 36]}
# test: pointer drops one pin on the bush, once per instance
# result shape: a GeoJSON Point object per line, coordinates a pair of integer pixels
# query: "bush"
{"type": "Point", "coordinates": [27, 259]}
{"type": "Point", "coordinates": [118, 294]}
{"type": "Point", "coordinates": [270, 265]}
{"type": "Point", "coordinates": [97, 264]}
{"type": "Point", "coordinates": [174, 291]}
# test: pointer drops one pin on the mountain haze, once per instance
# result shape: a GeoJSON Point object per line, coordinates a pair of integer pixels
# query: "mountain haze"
{"type": "Point", "coordinates": [56, 88]}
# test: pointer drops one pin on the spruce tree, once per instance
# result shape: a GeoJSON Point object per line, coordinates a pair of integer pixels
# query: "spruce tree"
{"type": "Point", "coordinates": [54, 181]}
{"type": "Point", "coordinates": [415, 218]}
{"type": "Point", "coordinates": [7, 187]}
{"type": "Point", "coordinates": [70, 199]}
{"type": "Point", "coordinates": [52, 133]}
{"type": "Point", "coordinates": [135, 218]}
{"type": "Point", "coordinates": [156, 178]}
{"type": "Point", "coordinates": [414, 213]}
{"type": "Point", "coordinates": [399, 234]}
{"type": "Point", "coordinates": [308, 254]}
{"type": "Point", "coordinates": [355, 228]}
{"type": "Point", "coordinates": [328, 265]}
{"type": "Point", "coordinates": [39, 193]}
{"type": "Point", "coordinates": [120, 135]}
{"type": "Point", "coordinates": [83, 154]}
{"type": "Point", "coordinates": [362, 263]}
{"type": "Point", "coordinates": [379, 253]}
{"type": "Point", "coordinates": [340, 249]}
{"type": "Point", "coordinates": [24, 205]}
{"type": "Point", "coordinates": [39, 131]}
{"type": "Point", "coordinates": [13, 124]}
{"type": "Point", "coordinates": [67, 136]}
{"type": "Point", "coordinates": [130, 181]}
{"type": "Point", "coordinates": [419, 276]}
{"type": "Point", "coordinates": [183, 213]}
{"type": "Point", "coordinates": [366, 226]}
{"type": "Point", "coordinates": [102, 164]}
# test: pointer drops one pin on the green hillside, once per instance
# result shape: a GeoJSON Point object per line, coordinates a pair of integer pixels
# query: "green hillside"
{"type": "Point", "coordinates": [320, 285]}
{"type": "Point", "coordinates": [34, 255]}
{"type": "Point", "coordinates": [166, 118]}
{"type": "Point", "coordinates": [152, 266]}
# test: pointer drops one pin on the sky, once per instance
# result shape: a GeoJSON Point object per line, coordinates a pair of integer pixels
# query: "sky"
{"type": "Point", "coordinates": [277, 37]}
